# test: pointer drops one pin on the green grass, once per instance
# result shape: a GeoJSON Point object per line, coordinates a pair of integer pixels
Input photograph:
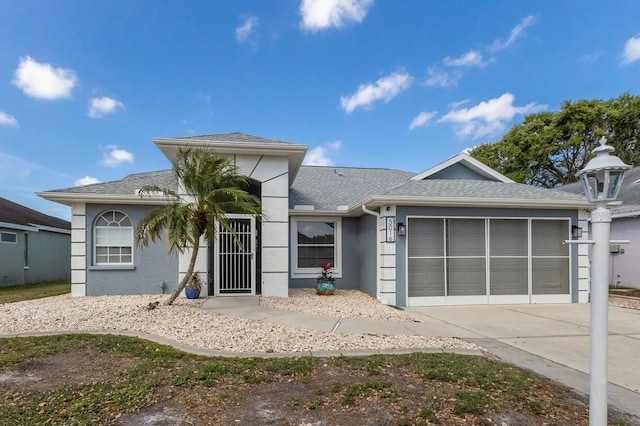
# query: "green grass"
{"type": "Point", "coordinates": [18, 293]}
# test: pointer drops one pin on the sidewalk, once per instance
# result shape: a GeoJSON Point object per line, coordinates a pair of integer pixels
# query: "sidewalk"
{"type": "Point", "coordinates": [551, 340]}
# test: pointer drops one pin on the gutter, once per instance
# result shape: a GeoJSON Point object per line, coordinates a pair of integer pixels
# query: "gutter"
{"type": "Point", "coordinates": [378, 242]}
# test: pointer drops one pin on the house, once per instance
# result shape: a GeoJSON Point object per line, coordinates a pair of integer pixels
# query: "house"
{"type": "Point", "coordinates": [33, 246]}
{"type": "Point", "coordinates": [458, 233]}
{"type": "Point", "coordinates": [625, 225]}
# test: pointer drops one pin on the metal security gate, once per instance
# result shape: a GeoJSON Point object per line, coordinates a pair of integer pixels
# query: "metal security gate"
{"type": "Point", "coordinates": [235, 266]}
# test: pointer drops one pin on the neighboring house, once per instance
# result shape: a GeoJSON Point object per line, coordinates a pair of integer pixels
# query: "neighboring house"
{"type": "Point", "coordinates": [458, 233]}
{"type": "Point", "coordinates": [33, 246]}
{"type": "Point", "coordinates": [625, 258]}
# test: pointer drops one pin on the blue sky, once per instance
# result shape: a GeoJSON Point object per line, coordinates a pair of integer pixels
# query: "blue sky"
{"type": "Point", "coordinates": [84, 86]}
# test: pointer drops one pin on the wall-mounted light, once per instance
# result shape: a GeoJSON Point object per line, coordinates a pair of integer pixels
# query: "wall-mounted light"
{"type": "Point", "coordinates": [402, 229]}
{"type": "Point", "coordinates": [576, 232]}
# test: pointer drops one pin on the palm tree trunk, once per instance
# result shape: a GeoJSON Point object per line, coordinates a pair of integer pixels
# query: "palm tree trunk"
{"type": "Point", "coordinates": [187, 277]}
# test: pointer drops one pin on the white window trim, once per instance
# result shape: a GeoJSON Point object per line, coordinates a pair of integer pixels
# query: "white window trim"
{"type": "Point", "coordinates": [95, 246]}
{"type": "Point", "coordinates": [9, 242]}
{"type": "Point", "coordinates": [314, 272]}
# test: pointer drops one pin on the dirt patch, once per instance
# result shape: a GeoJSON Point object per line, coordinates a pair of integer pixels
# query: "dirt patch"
{"type": "Point", "coordinates": [79, 367]}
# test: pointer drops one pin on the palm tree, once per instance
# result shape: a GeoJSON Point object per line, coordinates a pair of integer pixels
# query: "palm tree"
{"type": "Point", "coordinates": [214, 188]}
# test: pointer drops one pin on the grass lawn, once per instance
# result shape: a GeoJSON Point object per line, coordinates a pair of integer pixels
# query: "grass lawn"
{"type": "Point", "coordinates": [87, 379]}
{"type": "Point", "coordinates": [33, 291]}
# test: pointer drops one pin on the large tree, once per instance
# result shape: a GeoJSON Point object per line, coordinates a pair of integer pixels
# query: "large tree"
{"type": "Point", "coordinates": [549, 148]}
{"type": "Point", "coordinates": [215, 189]}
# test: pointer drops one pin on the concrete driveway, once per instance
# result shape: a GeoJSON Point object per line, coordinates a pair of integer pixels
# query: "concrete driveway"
{"type": "Point", "coordinates": [552, 340]}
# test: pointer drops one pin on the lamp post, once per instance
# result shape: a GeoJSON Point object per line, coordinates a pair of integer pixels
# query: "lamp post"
{"type": "Point", "coordinates": [601, 179]}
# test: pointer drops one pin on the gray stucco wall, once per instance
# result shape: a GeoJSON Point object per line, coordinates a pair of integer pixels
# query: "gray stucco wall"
{"type": "Point", "coordinates": [367, 249]}
{"type": "Point", "coordinates": [49, 257]}
{"type": "Point", "coordinates": [152, 265]}
{"type": "Point", "coordinates": [625, 267]}
{"type": "Point", "coordinates": [401, 249]}
{"type": "Point", "coordinates": [351, 259]}
{"type": "Point", "coordinates": [457, 171]}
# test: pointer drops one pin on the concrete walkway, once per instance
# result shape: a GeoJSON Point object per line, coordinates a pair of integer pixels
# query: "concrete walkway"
{"type": "Point", "coordinates": [552, 340]}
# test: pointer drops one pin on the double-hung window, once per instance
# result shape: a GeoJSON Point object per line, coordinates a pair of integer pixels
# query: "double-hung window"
{"type": "Point", "coordinates": [315, 242]}
{"type": "Point", "coordinates": [113, 239]}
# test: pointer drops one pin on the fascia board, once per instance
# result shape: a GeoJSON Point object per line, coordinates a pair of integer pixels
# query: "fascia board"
{"type": "Point", "coordinates": [17, 227]}
{"type": "Point", "coordinates": [52, 229]}
{"type": "Point", "coordinates": [70, 197]}
{"type": "Point", "coordinates": [475, 202]}
{"type": "Point", "coordinates": [294, 212]}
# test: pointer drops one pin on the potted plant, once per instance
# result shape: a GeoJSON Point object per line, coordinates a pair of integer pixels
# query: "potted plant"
{"type": "Point", "coordinates": [193, 287]}
{"type": "Point", "coordinates": [325, 283]}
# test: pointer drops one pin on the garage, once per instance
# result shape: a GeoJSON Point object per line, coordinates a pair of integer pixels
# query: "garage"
{"type": "Point", "coordinates": [487, 260]}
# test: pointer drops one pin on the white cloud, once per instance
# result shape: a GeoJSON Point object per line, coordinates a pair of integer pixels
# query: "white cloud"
{"type": "Point", "coordinates": [8, 120]}
{"type": "Point", "coordinates": [384, 89]}
{"type": "Point", "coordinates": [114, 156]}
{"type": "Point", "coordinates": [472, 58]}
{"type": "Point", "coordinates": [99, 107]}
{"type": "Point", "coordinates": [631, 51]}
{"type": "Point", "coordinates": [488, 117]}
{"type": "Point", "coordinates": [319, 156]}
{"type": "Point", "coordinates": [43, 81]}
{"type": "Point", "coordinates": [322, 14]}
{"type": "Point", "coordinates": [516, 33]}
{"type": "Point", "coordinates": [422, 119]}
{"type": "Point", "coordinates": [441, 78]}
{"type": "Point", "coordinates": [87, 180]}
{"type": "Point", "coordinates": [244, 31]}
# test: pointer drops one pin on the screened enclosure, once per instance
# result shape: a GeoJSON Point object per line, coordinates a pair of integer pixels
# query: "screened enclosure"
{"type": "Point", "coordinates": [487, 260]}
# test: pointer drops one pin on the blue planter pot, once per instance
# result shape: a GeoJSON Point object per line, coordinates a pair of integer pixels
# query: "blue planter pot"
{"type": "Point", "coordinates": [191, 293]}
{"type": "Point", "coordinates": [325, 288]}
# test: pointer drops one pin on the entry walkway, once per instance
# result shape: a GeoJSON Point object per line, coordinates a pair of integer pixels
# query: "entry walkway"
{"type": "Point", "coordinates": [552, 340]}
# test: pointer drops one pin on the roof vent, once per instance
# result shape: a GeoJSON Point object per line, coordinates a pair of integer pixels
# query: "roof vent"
{"type": "Point", "coordinates": [303, 207]}
{"type": "Point", "coordinates": [342, 208]}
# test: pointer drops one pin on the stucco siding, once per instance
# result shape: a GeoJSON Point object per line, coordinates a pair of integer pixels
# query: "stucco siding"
{"type": "Point", "coordinates": [48, 257]}
{"type": "Point", "coordinates": [12, 259]}
{"type": "Point", "coordinates": [457, 171]}
{"type": "Point", "coordinates": [154, 270]}
{"type": "Point", "coordinates": [625, 267]}
{"type": "Point", "coordinates": [367, 250]}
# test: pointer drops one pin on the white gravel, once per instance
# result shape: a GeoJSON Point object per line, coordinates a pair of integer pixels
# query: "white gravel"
{"type": "Point", "coordinates": [625, 302]}
{"type": "Point", "coordinates": [342, 304]}
{"type": "Point", "coordinates": [184, 322]}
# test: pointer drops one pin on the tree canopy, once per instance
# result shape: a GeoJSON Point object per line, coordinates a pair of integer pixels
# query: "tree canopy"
{"type": "Point", "coordinates": [214, 188]}
{"type": "Point", "coordinates": [548, 149]}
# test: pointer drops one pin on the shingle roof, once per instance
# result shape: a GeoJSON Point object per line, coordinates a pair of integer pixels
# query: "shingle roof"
{"type": "Point", "coordinates": [236, 137]}
{"type": "Point", "coordinates": [17, 214]}
{"type": "Point", "coordinates": [465, 188]}
{"type": "Point", "coordinates": [325, 188]}
{"type": "Point", "coordinates": [128, 185]}
{"type": "Point", "coordinates": [629, 194]}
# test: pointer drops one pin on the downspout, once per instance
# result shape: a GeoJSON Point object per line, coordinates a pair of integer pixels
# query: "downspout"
{"type": "Point", "coordinates": [377, 216]}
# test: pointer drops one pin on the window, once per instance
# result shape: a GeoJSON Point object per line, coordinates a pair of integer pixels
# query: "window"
{"type": "Point", "coordinates": [113, 239]}
{"type": "Point", "coordinates": [8, 237]}
{"type": "Point", "coordinates": [315, 241]}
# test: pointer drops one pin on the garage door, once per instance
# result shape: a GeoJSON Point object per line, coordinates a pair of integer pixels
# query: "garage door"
{"type": "Point", "coordinates": [455, 261]}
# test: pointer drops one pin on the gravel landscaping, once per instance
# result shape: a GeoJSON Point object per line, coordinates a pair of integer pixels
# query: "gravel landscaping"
{"type": "Point", "coordinates": [186, 323]}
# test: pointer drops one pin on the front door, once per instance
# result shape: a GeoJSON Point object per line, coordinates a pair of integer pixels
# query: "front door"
{"type": "Point", "coordinates": [235, 263]}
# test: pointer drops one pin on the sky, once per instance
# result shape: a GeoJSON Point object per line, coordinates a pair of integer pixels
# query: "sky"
{"type": "Point", "coordinates": [85, 86]}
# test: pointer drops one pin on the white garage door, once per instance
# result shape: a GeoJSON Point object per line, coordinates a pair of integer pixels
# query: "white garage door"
{"type": "Point", "coordinates": [455, 261]}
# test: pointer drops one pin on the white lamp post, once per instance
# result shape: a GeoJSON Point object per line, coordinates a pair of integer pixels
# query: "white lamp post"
{"type": "Point", "coordinates": [601, 178]}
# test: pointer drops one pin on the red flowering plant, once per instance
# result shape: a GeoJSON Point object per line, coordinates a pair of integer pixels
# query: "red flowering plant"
{"type": "Point", "coordinates": [326, 271]}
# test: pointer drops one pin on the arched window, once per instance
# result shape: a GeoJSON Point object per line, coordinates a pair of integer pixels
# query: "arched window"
{"type": "Point", "coordinates": [113, 239]}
